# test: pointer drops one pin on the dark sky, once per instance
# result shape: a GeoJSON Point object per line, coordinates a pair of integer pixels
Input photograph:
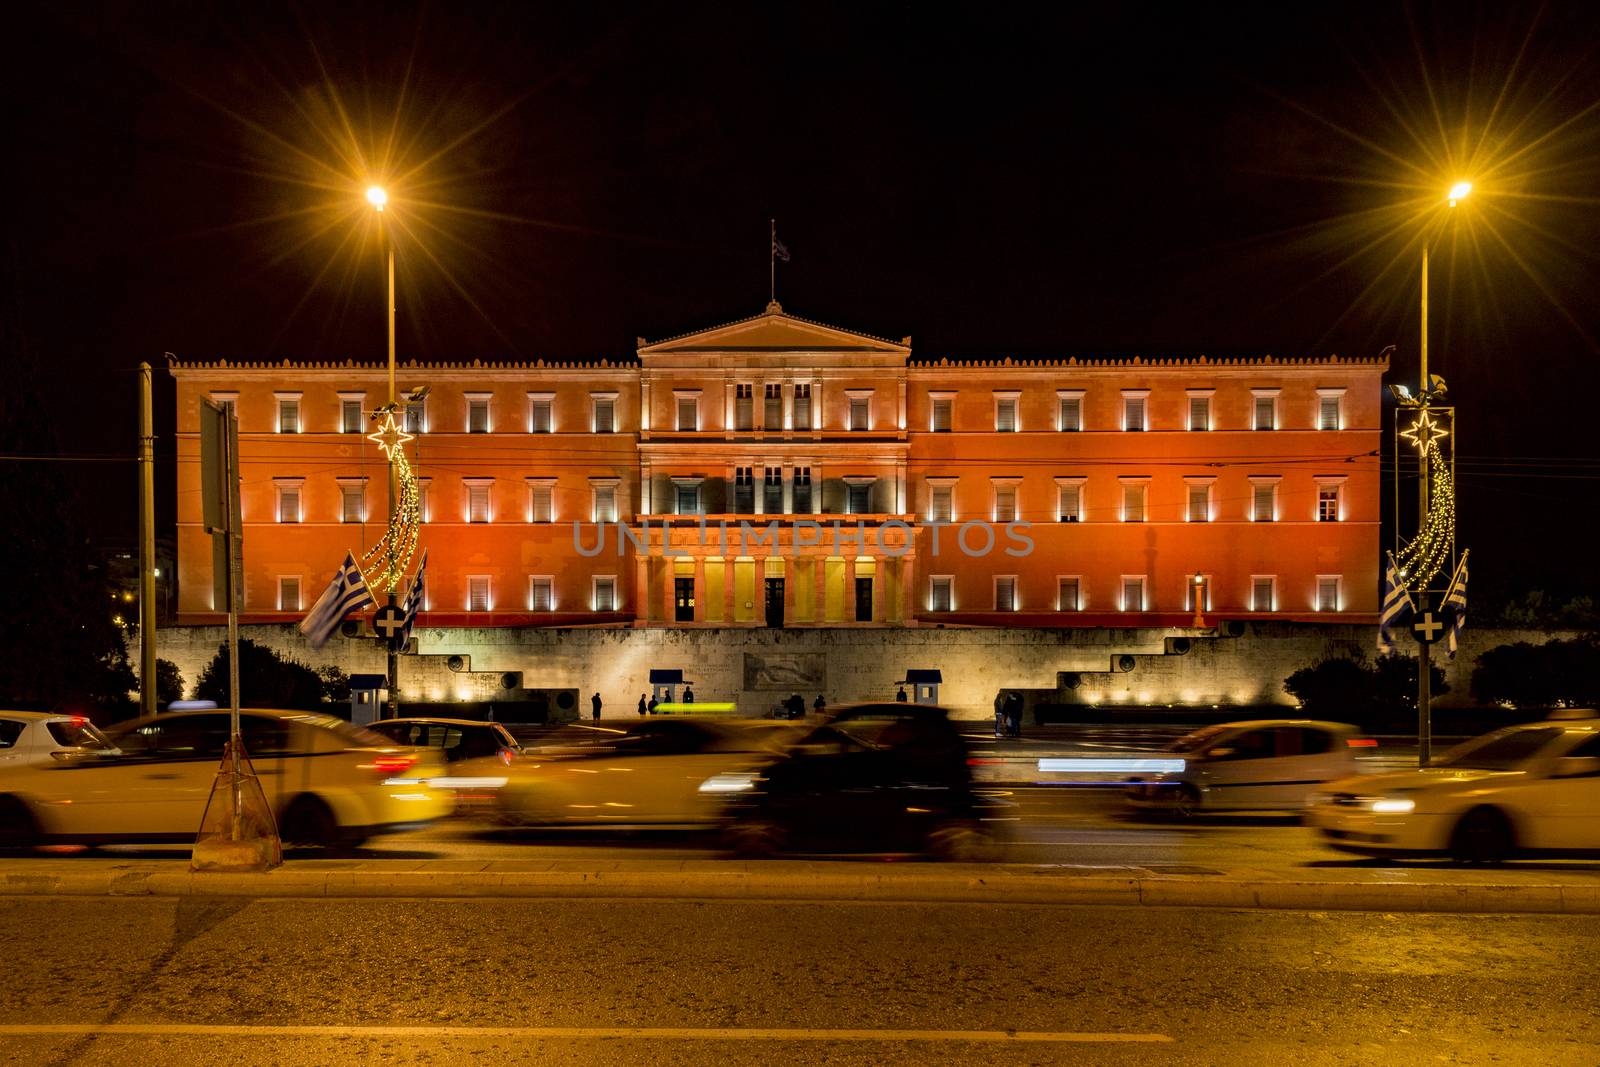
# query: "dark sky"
{"type": "Point", "coordinates": [988, 178]}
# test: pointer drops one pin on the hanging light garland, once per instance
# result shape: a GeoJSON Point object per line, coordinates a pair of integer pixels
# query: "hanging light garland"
{"type": "Point", "coordinates": [1424, 557]}
{"type": "Point", "coordinates": [384, 565]}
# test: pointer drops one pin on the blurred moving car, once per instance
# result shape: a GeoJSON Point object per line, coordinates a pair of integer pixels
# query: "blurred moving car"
{"type": "Point", "coordinates": [1259, 765]}
{"type": "Point", "coordinates": [329, 783]}
{"type": "Point", "coordinates": [891, 777]}
{"type": "Point", "coordinates": [1531, 789]}
{"type": "Point", "coordinates": [29, 737]}
{"type": "Point", "coordinates": [647, 776]}
{"type": "Point", "coordinates": [454, 739]}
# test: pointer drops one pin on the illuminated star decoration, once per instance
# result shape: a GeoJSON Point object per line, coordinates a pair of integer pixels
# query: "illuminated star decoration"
{"type": "Point", "coordinates": [1424, 432]}
{"type": "Point", "coordinates": [1424, 557]}
{"type": "Point", "coordinates": [384, 565]}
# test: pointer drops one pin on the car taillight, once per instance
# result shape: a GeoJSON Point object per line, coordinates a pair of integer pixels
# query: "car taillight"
{"type": "Point", "coordinates": [1361, 742]}
{"type": "Point", "coordinates": [976, 761]}
{"type": "Point", "coordinates": [506, 756]}
{"type": "Point", "coordinates": [392, 765]}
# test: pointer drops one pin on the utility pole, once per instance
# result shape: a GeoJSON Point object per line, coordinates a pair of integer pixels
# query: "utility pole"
{"type": "Point", "coordinates": [147, 547]}
{"type": "Point", "coordinates": [1424, 648]}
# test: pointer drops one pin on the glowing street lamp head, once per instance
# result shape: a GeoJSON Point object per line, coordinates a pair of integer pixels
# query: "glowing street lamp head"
{"type": "Point", "coordinates": [377, 197]}
{"type": "Point", "coordinates": [1459, 192]}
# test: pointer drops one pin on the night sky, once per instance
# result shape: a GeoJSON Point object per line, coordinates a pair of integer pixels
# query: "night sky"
{"type": "Point", "coordinates": [990, 179]}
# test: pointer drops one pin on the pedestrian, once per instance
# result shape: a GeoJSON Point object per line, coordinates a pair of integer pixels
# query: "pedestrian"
{"type": "Point", "coordinates": [1000, 703]}
{"type": "Point", "coordinates": [795, 706]}
{"type": "Point", "coordinates": [1014, 714]}
{"type": "Point", "coordinates": [688, 693]}
{"type": "Point", "coordinates": [652, 705]}
{"type": "Point", "coordinates": [818, 704]}
{"type": "Point", "coordinates": [900, 695]}
{"type": "Point", "coordinates": [642, 705]}
{"type": "Point", "coordinates": [594, 702]}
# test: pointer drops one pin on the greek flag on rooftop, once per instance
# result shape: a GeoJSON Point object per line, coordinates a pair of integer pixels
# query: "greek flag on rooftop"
{"type": "Point", "coordinates": [1397, 606]}
{"type": "Point", "coordinates": [1455, 602]}
{"type": "Point", "coordinates": [414, 600]}
{"type": "Point", "coordinates": [347, 592]}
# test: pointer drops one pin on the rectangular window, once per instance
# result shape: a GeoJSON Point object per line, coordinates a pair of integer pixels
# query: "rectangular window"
{"type": "Point", "coordinates": [605, 594]}
{"type": "Point", "coordinates": [1005, 503]}
{"type": "Point", "coordinates": [942, 508]}
{"type": "Point", "coordinates": [541, 505]}
{"type": "Point", "coordinates": [424, 495]}
{"type": "Point", "coordinates": [541, 593]}
{"type": "Point", "coordinates": [942, 406]}
{"type": "Point", "coordinates": [802, 407]}
{"type": "Point", "coordinates": [1005, 593]}
{"type": "Point", "coordinates": [743, 406]}
{"type": "Point", "coordinates": [860, 413]}
{"type": "Point", "coordinates": [1327, 592]}
{"type": "Point", "coordinates": [1133, 494]}
{"type": "Point", "coordinates": [288, 503]}
{"type": "Point", "coordinates": [539, 420]}
{"type": "Point", "coordinates": [1200, 502]}
{"type": "Point", "coordinates": [1266, 413]}
{"type": "Point", "coordinates": [477, 503]}
{"type": "Point", "coordinates": [478, 592]}
{"type": "Point", "coordinates": [416, 416]}
{"type": "Point", "coordinates": [605, 414]}
{"type": "Point", "coordinates": [1070, 413]}
{"type": "Point", "coordinates": [744, 490]}
{"type": "Point", "coordinates": [605, 503]}
{"type": "Point", "coordinates": [860, 498]}
{"type": "Point", "coordinates": [940, 596]}
{"type": "Point", "coordinates": [477, 414]}
{"type": "Point", "coordinates": [688, 414]}
{"type": "Point", "coordinates": [1263, 593]}
{"type": "Point", "coordinates": [1264, 501]}
{"type": "Point", "coordinates": [1328, 411]}
{"type": "Point", "coordinates": [289, 594]}
{"type": "Point", "coordinates": [1328, 503]}
{"type": "Point", "coordinates": [772, 417]}
{"type": "Point", "coordinates": [1067, 594]}
{"type": "Point", "coordinates": [1005, 414]}
{"type": "Point", "coordinates": [1199, 413]}
{"type": "Point", "coordinates": [772, 502]}
{"type": "Point", "coordinates": [1133, 413]}
{"type": "Point", "coordinates": [1070, 507]}
{"type": "Point", "coordinates": [288, 415]}
{"type": "Point", "coordinates": [349, 416]}
{"type": "Point", "coordinates": [802, 491]}
{"type": "Point", "coordinates": [688, 499]}
{"type": "Point", "coordinates": [352, 503]}
{"type": "Point", "coordinates": [1133, 593]}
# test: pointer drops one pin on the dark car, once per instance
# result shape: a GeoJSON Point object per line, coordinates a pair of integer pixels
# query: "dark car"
{"type": "Point", "coordinates": [455, 739]}
{"type": "Point", "coordinates": [876, 777]}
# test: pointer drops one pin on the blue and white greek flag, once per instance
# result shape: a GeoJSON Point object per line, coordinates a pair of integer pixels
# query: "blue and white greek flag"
{"type": "Point", "coordinates": [1455, 602]}
{"type": "Point", "coordinates": [1397, 607]}
{"type": "Point", "coordinates": [779, 251]}
{"type": "Point", "coordinates": [347, 592]}
{"type": "Point", "coordinates": [414, 599]}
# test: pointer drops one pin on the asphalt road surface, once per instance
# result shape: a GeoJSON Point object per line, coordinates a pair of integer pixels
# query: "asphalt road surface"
{"type": "Point", "coordinates": [570, 981]}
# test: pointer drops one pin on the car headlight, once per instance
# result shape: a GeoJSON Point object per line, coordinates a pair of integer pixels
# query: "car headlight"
{"type": "Point", "coordinates": [730, 782]}
{"type": "Point", "coordinates": [1392, 805]}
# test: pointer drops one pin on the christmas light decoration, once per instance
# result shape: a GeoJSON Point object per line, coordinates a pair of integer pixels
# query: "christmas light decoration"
{"type": "Point", "coordinates": [1424, 557]}
{"type": "Point", "coordinates": [385, 563]}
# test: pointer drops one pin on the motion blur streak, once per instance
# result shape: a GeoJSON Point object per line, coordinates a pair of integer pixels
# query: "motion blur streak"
{"type": "Point", "coordinates": [1110, 765]}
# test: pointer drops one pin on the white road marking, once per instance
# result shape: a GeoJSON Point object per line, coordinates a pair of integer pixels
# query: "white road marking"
{"type": "Point", "coordinates": [574, 1033]}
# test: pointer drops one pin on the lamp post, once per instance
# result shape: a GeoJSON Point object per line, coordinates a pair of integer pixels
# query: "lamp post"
{"type": "Point", "coordinates": [1425, 393]}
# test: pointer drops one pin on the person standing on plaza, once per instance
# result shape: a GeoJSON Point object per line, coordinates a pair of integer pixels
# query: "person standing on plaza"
{"type": "Point", "coordinates": [688, 693]}
{"type": "Point", "coordinates": [652, 705]}
{"type": "Point", "coordinates": [819, 704]}
{"type": "Point", "coordinates": [642, 706]}
{"type": "Point", "coordinates": [1001, 702]}
{"type": "Point", "coordinates": [1014, 714]}
{"type": "Point", "coordinates": [900, 695]}
{"type": "Point", "coordinates": [594, 702]}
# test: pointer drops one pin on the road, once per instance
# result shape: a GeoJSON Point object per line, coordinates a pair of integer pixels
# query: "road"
{"type": "Point", "coordinates": [180, 981]}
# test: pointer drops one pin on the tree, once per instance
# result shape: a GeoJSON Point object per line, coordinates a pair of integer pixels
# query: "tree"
{"type": "Point", "coordinates": [1550, 675]}
{"type": "Point", "coordinates": [169, 682]}
{"type": "Point", "coordinates": [266, 679]}
{"type": "Point", "coordinates": [1344, 688]}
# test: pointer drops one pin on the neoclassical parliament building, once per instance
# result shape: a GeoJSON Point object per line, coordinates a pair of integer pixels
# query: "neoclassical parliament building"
{"type": "Point", "coordinates": [779, 472]}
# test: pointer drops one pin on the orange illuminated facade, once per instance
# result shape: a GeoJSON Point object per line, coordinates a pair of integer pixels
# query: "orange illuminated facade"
{"type": "Point", "coordinates": [780, 472]}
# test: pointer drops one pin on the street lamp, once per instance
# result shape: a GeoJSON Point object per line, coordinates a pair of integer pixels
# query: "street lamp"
{"type": "Point", "coordinates": [377, 197]}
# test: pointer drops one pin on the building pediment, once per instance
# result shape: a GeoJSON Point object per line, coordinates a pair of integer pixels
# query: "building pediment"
{"type": "Point", "coordinates": [773, 331]}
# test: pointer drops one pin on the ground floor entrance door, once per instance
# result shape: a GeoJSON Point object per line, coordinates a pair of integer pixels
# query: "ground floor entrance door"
{"type": "Point", "coordinates": [863, 600]}
{"type": "Point", "coordinates": [774, 601]}
{"type": "Point", "coordinates": [683, 599]}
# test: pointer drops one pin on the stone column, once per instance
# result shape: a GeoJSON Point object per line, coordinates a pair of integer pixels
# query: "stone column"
{"type": "Point", "coordinates": [788, 592]}
{"type": "Point", "coordinates": [821, 589]}
{"type": "Point", "coordinates": [700, 587]}
{"type": "Point", "coordinates": [880, 578]}
{"type": "Point", "coordinates": [641, 590]}
{"type": "Point", "coordinates": [727, 590]}
{"type": "Point", "coordinates": [908, 589]}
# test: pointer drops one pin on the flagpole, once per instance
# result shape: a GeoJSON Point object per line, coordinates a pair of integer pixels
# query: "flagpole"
{"type": "Point", "coordinates": [772, 261]}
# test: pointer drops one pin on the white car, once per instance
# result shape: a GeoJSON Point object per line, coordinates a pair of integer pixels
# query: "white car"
{"type": "Point", "coordinates": [329, 783]}
{"type": "Point", "coordinates": [1260, 765]}
{"type": "Point", "coordinates": [648, 776]}
{"type": "Point", "coordinates": [1522, 790]}
{"type": "Point", "coordinates": [30, 737]}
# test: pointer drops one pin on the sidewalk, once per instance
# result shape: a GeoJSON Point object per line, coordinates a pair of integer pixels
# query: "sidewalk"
{"type": "Point", "coordinates": [1543, 889]}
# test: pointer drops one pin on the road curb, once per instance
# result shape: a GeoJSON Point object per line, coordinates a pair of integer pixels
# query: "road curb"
{"type": "Point", "coordinates": [965, 885]}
